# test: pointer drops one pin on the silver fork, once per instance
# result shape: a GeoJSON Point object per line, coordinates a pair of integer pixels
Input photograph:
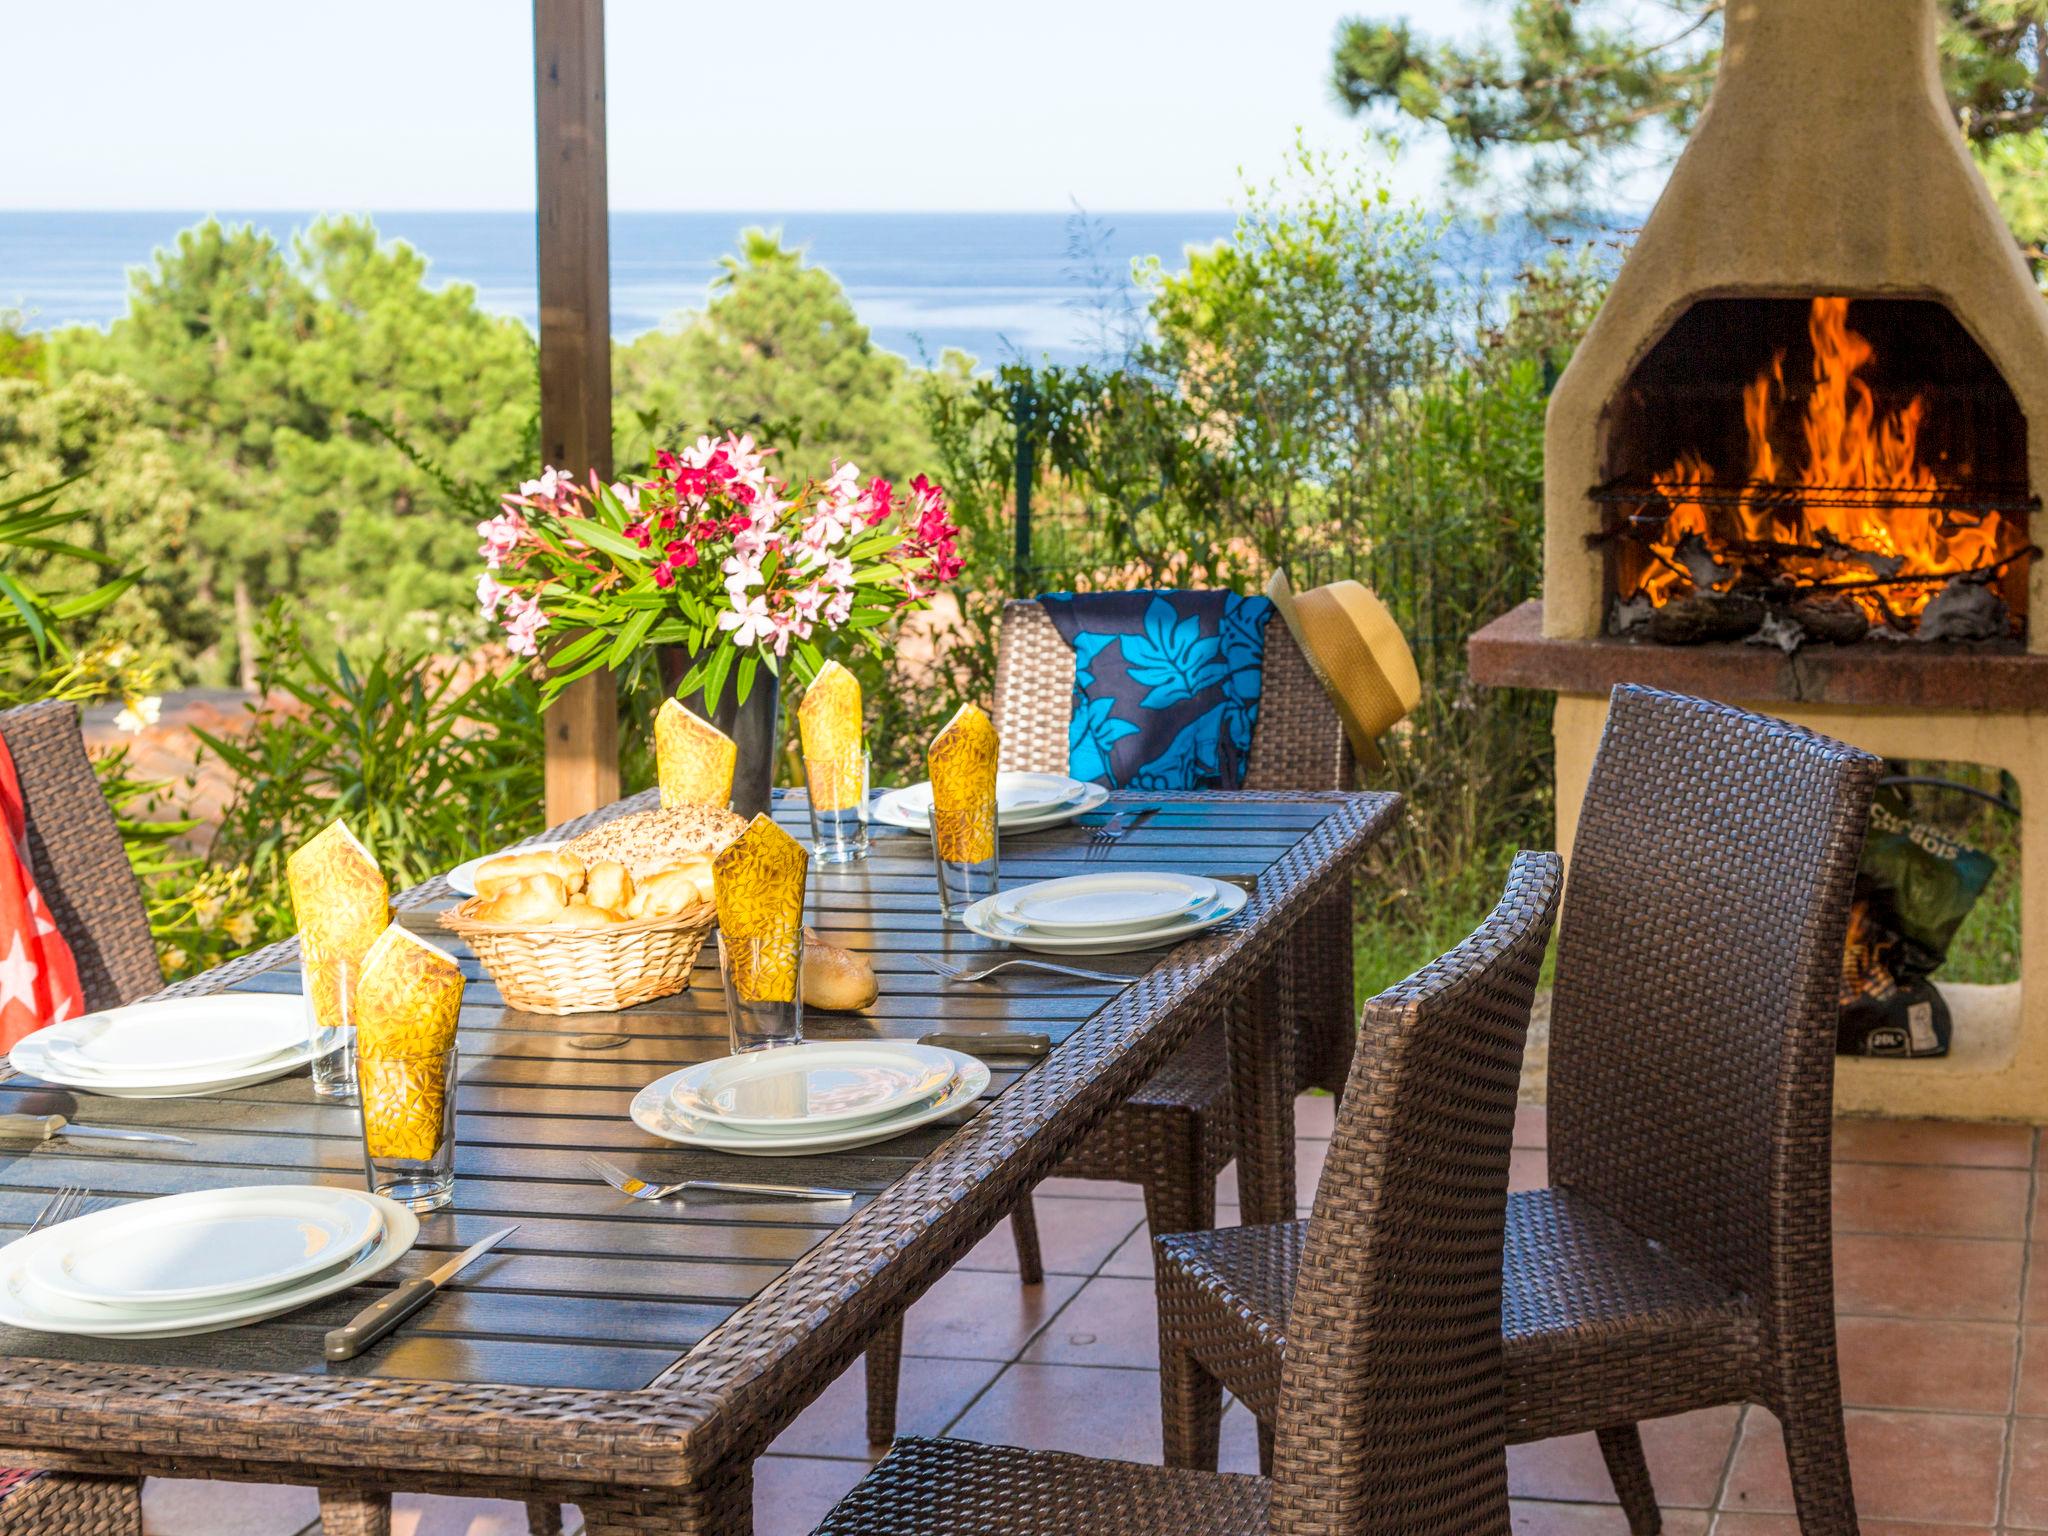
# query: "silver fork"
{"type": "Point", "coordinates": [961, 973]}
{"type": "Point", "coordinates": [640, 1189]}
{"type": "Point", "coordinates": [62, 1206]}
{"type": "Point", "coordinates": [1115, 830]}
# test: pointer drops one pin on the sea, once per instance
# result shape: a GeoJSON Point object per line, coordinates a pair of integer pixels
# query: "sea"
{"type": "Point", "coordinates": [1000, 287]}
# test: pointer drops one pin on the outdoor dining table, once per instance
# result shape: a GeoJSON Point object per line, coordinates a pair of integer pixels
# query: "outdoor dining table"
{"type": "Point", "coordinates": [630, 1358]}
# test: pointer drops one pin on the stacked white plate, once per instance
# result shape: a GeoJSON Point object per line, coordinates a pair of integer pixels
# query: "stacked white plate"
{"type": "Point", "coordinates": [1111, 913]}
{"type": "Point", "coordinates": [187, 1045]}
{"type": "Point", "coordinates": [802, 1099]}
{"type": "Point", "coordinates": [199, 1262]}
{"type": "Point", "coordinates": [1024, 802]}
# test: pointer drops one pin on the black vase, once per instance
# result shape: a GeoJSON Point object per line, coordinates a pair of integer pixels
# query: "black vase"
{"type": "Point", "coordinates": [751, 725]}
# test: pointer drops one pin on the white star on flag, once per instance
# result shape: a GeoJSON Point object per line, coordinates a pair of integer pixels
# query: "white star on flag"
{"type": "Point", "coordinates": [18, 978]}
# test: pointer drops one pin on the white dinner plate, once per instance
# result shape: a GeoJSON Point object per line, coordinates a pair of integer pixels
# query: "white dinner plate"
{"type": "Point", "coordinates": [1100, 904]}
{"type": "Point", "coordinates": [23, 1304]}
{"type": "Point", "coordinates": [794, 1089]}
{"type": "Point", "coordinates": [911, 807]}
{"type": "Point", "coordinates": [210, 1245]}
{"type": "Point", "coordinates": [209, 1035]}
{"type": "Point", "coordinates": [982, 919]}
{"type": "Point", "coordinates": [462, 878]}
{"type": "Point", "coordinates": [32, 1056]}
{"type": "Point", "coordinates": [653, 1114]}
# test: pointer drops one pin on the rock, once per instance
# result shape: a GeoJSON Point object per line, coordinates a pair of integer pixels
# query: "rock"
{"type": "Point", "coordinates": [1704, 617]}
{"type": "Point", "coordinates": [1965, 609]}
{"type": "Point", "coordinates": [1835, 620]}
{"type": "Point", "coordinates": [1779, 630]}
{"type": "Point", "coordinates": [1706, 572]}
{"type": "Point", "coordinates": [1630, 617]}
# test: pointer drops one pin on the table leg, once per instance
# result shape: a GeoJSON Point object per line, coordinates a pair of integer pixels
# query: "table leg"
{"type": "Point", "coordinates": [346, 1513]}
{"type": "Point", "coordinates": [1261, 1028]}
{"type": "Point", "coordinates": [543, 1519]}
{"type": "Point", "coordinates": [720, 1506]}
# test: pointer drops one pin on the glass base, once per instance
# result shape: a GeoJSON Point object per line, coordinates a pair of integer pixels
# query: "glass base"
{"type": "Point", "coordinates": [842, 852]}
{"type": "Point", "coordinates": [420, 1193]}
{"type": "Point", "coordinates": [334, 1077]}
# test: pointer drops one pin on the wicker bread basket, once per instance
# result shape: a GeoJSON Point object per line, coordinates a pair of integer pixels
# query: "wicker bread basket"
{"type": "Point", "coordinates": [586, 970]}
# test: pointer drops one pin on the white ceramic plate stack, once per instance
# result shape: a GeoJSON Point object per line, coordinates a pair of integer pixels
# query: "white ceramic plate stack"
{"type": "Point", "coordinates": [185, 1046]}
{"type": "Point", "coordinates": [1025, 802]}
{"type": "Point", "coordinates": [1112, 913]}
{"type": "Point", "coordinates": [199, 1262]}
{"type": "Point", "coordinates": [462, 878]}
{"type": "Point", "coordinates": [803, 1099]}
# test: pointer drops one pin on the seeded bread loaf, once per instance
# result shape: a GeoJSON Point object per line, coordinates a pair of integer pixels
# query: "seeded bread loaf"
{"type": "Point", "coordinates": [650, 841]}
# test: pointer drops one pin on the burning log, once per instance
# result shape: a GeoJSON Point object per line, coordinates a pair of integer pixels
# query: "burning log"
{"type": "Point", "coordinates": [1706, 572]}
{"type": "Point", "coordinates": [1701, 617]}
{"type": "Point", "coordinates": [1834, 620]}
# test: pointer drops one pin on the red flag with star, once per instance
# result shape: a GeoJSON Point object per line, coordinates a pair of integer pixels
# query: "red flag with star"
{"type": "Point", "coordinates": [38, 977]}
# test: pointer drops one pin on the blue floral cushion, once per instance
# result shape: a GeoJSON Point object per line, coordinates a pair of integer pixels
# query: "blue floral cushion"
{"type": "Point", "coordinates": [1166, 685]}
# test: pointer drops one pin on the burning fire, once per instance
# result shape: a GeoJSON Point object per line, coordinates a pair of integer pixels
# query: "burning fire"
{"type": "Point", "coordinates": [1859, 514]}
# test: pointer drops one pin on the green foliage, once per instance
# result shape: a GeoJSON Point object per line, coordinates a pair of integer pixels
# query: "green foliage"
{"type": "Point", "coordinates": [21, 350]}
{"type": "Point", "coordinates": [1584, 86]}
{"type": "Point", "coordinates": [37, 656]}
{"type": "Point", "coordinates": [778, 352]}
{"type": "Point", "coordinates": [428, 765]}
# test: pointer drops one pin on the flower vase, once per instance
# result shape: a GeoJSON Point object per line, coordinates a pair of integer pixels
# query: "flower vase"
{"type": "Point", "coordinates": [751, 725]}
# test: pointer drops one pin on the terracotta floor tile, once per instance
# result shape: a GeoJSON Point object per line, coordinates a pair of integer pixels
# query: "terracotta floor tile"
{"type": "Point", "coordinates": [1945, 1143]}
{"type": "Point", "coordinates": [420, 1514]}
{"type": "Point", "coordinates": [1074, 1235]}
{"type": "Point", "coordinates": [1308, 1169]}
{"type": "Point", "coordinates": [1532, 1128]}
{"type": "Point", "coordinates": [983, 1314]}
{"type": "Point", "coordinates": [1528, 1168]}
{"type": "Point", "coordinates": [1731, 1523]}
{"type": "Point", "coordinates": [2032, 1395]}
{"type": "Point", "coordinates": [1930, 1467]}
{"type": "Point", "coordinates": [1111, 1322]}
{"type": "Point", "coordinates": [2034, 1301]}
{"type": "Point", "coordinates": [1931, 1202]}
{"type": "Point", "coordinates": [1686, 1454]}
{"type": "Point", "coordinates": [1970, 1278]}
{"type": "Point", "coordinates": [931, 1393]}
{"type": "Point", "coordinates": [1538, 1519]}
{"type": "Point", "coordinates": [1890, 1362]}
{"type": "Point", "coordinates": [792, 1494]}
{"type": "Point", "coordinates": [1078, 1408]}
{"type": "Point", "coordinates": [1089, 1189]}
{"type": "Point", "coordinates": [2026, 1488]}
{"type": "Point", "coordinates": [1315, 1116]}
{"type": "Point", "coordinates": [175, 1506]}
{"type": "Point", "coordinates": [1133, 1258]}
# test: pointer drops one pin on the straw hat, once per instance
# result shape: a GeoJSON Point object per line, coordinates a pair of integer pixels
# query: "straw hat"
{"type": "Point", "coordinates": [1358, 654]}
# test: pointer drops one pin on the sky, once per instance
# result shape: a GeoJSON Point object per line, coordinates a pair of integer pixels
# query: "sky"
{"type": "Point", "coordinates": [779, 104]}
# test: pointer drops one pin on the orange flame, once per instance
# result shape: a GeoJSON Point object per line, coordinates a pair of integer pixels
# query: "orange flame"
{"type": "Point", "coordinates": [1866, 491]}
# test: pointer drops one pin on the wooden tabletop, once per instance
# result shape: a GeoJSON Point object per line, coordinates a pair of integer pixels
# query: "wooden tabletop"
{"type": "Point", "coordinates": [597, 1293]}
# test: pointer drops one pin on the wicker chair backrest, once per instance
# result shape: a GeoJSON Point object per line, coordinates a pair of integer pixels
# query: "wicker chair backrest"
{"type": "Point", "coordinates": [1299, 743]}
{"type": "Point", "coordinates": [75, 851]}
{"type": "Point", "coordinates": [1692, 1029]}
{"type": "Point", "coordinates": [1392, 1416]}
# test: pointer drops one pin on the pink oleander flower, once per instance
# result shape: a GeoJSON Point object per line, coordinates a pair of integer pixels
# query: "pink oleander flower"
{"type": "Point", "coordinates": [749, 621]}
{"type": "Point", "coordinates": [502, 535]}
{"type": "Point", "coordinates": [489, 593]}
{"type": "Point", "coordinates": [524, 620]}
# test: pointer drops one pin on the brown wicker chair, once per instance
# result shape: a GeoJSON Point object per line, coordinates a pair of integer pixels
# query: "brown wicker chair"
{"type": "Point", "coordinates": [1680, 1258]}
{"type": "Point", "coordinates": [1174, 1136]}
{"type": "Point", "coordinates": [1392, 1417]}
{"type": "Point", "coordinates": [79, 864]}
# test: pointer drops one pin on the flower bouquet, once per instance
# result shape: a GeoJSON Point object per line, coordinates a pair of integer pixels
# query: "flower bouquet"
{"type": "Point", "coordinates": [714, 555]}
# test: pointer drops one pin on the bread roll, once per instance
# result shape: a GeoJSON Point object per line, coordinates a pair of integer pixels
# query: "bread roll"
{"type": "Point", "coordinates": [533, 900]}
{"type": "Point", "coordinates": [495, 876]}
{"type": "Point", "coordinates": [581, 914]}
{"type": "Point", "coordinates": [608, 885]}
{"type": "Point", "coordinates": [665, 894]}
{"type": "Point", "coordinates": [835, 978]}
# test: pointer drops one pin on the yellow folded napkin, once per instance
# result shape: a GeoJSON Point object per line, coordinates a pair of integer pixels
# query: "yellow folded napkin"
{"type": "Point", "coordinates": [342, 904]}
{"type": "Point", "coordinates": [692, 758]}
{"type": "Point", "coordinates": [962, 764]}
{"type": "Point", "coordinates": [760, 883]}
{"type": "Point", "coordinates": [828, 721]}
{"type": "Point", "coordinates": [407, 1006]}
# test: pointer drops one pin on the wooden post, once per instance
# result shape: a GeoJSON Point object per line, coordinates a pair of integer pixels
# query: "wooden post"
{"type": "Point", "coordinates": [575, 347]}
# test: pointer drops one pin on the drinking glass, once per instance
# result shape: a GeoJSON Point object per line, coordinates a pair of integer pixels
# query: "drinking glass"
{"type": "Point", "coordinates": [839, 807]}
{"type": "Point", "coordinates": [329, 988]}
{"type": "Point", "coordinates": [409, 1127]}
{"type": "Point", "coordinates": [963, 882]}
{"type": "Point", "coordinates": [763, 976]}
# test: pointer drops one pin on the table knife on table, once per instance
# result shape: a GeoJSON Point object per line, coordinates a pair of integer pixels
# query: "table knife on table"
{"type": "Point", "coordinates": [380, 1317]}
{"type": "Point", "coordinates": [991, 1043]}
{"type": "Point", "coordinates": [43, 1127]}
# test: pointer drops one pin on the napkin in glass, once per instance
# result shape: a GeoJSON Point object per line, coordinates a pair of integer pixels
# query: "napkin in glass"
{"type": "Point", "coordinates": [693, 759]}
{"type": "Point", "coordinates": [760, 883]}
{"type": "Point", "coordinates": [962, 764]}
{"type": "Point", "coordinates": [828, 721]}
{"type": "Point", "coordinates": [341, 904]}
{"type": "Point", "coordinates": [407, 1005]}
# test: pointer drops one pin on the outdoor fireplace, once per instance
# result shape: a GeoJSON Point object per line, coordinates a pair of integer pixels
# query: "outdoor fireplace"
{"type": "Point", "coordinates": [1815, 471]}
{"type": "Point", "coordinates": [1795, 464]}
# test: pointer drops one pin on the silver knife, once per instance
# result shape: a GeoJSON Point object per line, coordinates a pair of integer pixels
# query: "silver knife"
{"type": "Point", "coordinates": [380, 1317]}
{"type": "Point", "coordinates": [43, 1127]}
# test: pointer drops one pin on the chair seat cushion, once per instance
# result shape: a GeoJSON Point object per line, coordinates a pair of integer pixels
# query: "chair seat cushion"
{"type": "Point", "coordinates": [960, 1488]}
{"type": "Point", "coordinates": [1591, 1314]}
